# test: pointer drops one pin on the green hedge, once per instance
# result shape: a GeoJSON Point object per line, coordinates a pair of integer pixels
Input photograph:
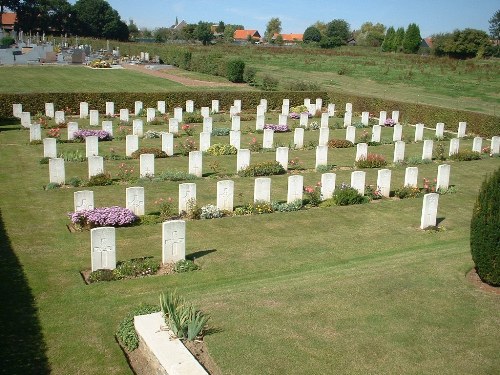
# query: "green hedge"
{"type": "Point", "coordinates": [477, 123]}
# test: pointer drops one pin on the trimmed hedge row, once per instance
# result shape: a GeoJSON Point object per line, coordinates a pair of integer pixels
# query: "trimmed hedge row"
{"type": "Point", "coordinates": [477, 123]}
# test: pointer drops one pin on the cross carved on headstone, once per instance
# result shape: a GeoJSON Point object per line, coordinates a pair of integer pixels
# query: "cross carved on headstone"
{"type": "Point", "coordinates": [225, 196]}
{"type": "Point", "coordinates": [136, 202]}
{"type": "Point", "coordinates": [103, 249]}
{"type": "Point", "coordinates": [431, 208]}
{"type": "Point", "coordinates": [173, 243]}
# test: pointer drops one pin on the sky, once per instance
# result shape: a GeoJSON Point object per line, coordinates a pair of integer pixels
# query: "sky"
{"type": "Point", "coordinates": [432, 16]}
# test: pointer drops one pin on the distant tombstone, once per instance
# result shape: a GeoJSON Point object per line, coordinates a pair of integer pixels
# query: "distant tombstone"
{"type": "Point", "coordinates": [103, 248]}
{"type": "Point", "coordinates": [110, 108]}
{"type": "Point", "coordinates": [131, 144]}
{"type": "Point", "coordinates": [384, 182]}
{"type": "Point", "coordinates": [49, 110]}
{"type": "Point", "coordinates": [242, 159]}
{"type": "Point", "coordinates": [263, 103]}
{"type": "Point", "coordinates": [260, 122]}
{"type": "Point", "coordinates": [262, 190]}
{"type": "Point", "coordinates": [83, 200]}
{"type": "Point", "coordinates": [358, 181]}
{"type": "Point", "coordinates": [440, 130]}
{"type": "Point", "coordinates": [319, 104]}
{"type": "Point", "coordinates": [146, 165]}
{"type": "Point", "coordinates": [167, 143]}
{"type": "Point", "coordinates": [376, 132]}
{"type": "Point", "coordinates": [137, 107]}
{"type": "Point", "coordinates": [350, 134]}
{"type": "Point", "coordinates": [321, 156]}
{"type": "Point", "coordinates": [282, 119]}
{"type": "Point", "coordinates": [173, 241]}
{"type": "Point", "coordinates": [397, 133]}
{"type": "Point", "coordinates": [215, 106]}
{"type": "Point", "coordinates": [205, 112]}
{"type": "Point", "coordinates": [95, 165]}
{"type": "Point", "coordinates": [146, 56]}
{"type": "Point", "coordinates": [285, 110]}
{"type": "Point", "coordinates": [150, 114]}
{"type": "Point", "coordinates": [26, 119]}
{"type": "Point", "coordinates": [178, 114]}
{"type": "Point", "coordinates": [454, 146]}
{"type": "Point", "coordinates": [72, 129]}
{"type": "Point", "coordinates": [59, 117]}
{"type": "Point", "coordinates": [411, 177]}
{"type": "Point", "coordinates": [17, 109]}
{"type": "Point", "coordinates": [189, 106]}
{"type": "Point", "coordinates": [347, 119]}
{"type": "Point", "coordinates": [348, 107]}
{"type": "Point", "coordinates": [382, 117]}
{"type": "Point", "coordinates": [461, 129]}
{"type": "Point", "coordinates": [365, 117]}
{"type": "Point", "coordinates": [134, 197]}
{"type": "Point", "coordinates": [173, 125]}
{"type": "Point", "coordinates": [427, 149]}
{"type": "Point", "coordinates": [429, 211]}
{"type": "Point", "coordinates": [205, 141]}
{"type": "Point", "coordinates": [399, 151]}
{"type": "Point", "coordinates": [395, 116]}
{"type": "Point", "coordinates": [187, 195]}
{"type": "Point", "coordinates": [207, 124]}
{"type": "Point", "coordinates": [35, 132]}
{"type": "Point", "coordinates": [324, 120]}
{"type": "Point", "coordinates": [298, 138]}
{"type": "Point", "coordinates": [233, 111]}
{"type": "Point", "coordinates": [94, 117]}
{"type": "Point", "coordinates": [443, 176]}
{"type": "Point", "coordinates": [419, 132]}
{"type": "Point", "coordinates": [92, 146]}
{"type": "Point", "coordinates": [196, 163]}
{"type": "Point", "coordinates": [327, 185]}
{"type": "Point", "coordinates": [78, 57]}
{"type": "Point", "coordinates": [107, 126]}
{"type": "Point", "coordinates": [57, 173]}
{"type": "Point", "coordinates": [312, 109]}
{"type": "Point", "coordinates": [361, 151]}
{"type": "Point", "coordinates": [235, 138]}
{"type": "Point", "coordinates": [268, 142]}
{"type": "Point", "coordinates": [477, 144]}
{"type": "Point", "coordinates": [495, 145]}
{"type": "Point", "coordinates": [84, 109]}
{"type": "Point", "coordinates": [124, 115]}
{"type": "Point", "coordinates": [225, 195]}
{"type": "Point", "coordinates": [295, 188]}
{"type": "Point", "coordinates": [286, 102]}
{"type": "Point", "coordinates": [331, 109]}
{"type": "Point", "coordinates": [324, 134]}
{"type": "Point", "coordinates": [161, 106]}
{"type": "Point", "coordinates": [138, 128]}
{"type": "Point", "coordinates": [282, 156]}
{"type": "Point", "coordinates": [235, 123]}
{"type": "Point", "coordinates": [304, 119]}
{"type": "Point", "coordinates": [307, 102]}
{"type": "Point", "coordinates": [50, 148]}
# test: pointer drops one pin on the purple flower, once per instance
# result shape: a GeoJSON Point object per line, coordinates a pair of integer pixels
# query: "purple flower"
{"type": "Point", "coordinates": [277, 128]}
{"type": "Point", "coordinates": [389, 122]}
{"type": "Point", "coordinates": [103, 135]}
{"type": "Point", "coordinates": [114, 216]}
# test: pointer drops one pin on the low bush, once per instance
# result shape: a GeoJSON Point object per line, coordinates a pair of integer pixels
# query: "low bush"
{"type": "Point", "coordinates": [192, 118]}
{"type": "Point", "coordinates": [186, 146]}
{"type": "Point", "coordinates": [152, 134]}
{"type": "Point", "coordinates": [73, 156]}
{"type": "Point", "coordinates": [466, 155]}
{"type": "Point", "coordinates": [408, 192]}
{"type": "Point", "coordinates": [113, 216]}
{"type": "Point", "coordinates": [277, 128]}
{"type": "Point", "coordinates": [249, 74]}
{"type": "Point", "coordinates": [222, 149]}
{"type": "Point", "coordinates": [218, 132]}
{"type": "Point", "coordinates": [185, 265]}
{"type": "Point", "coordinates": [175, 176]}
{"type": "Point", "coordinates": [52, 186]}
{"type": "Point", "coordinates": [210, 212]}
{"type": "Point", "coordinates": [44, 160]}
{"type": "Point", "coordinates": [137, 267]}
{"type": "Point", "coordinates": [101, 179]}
{"type": "Point", "coordinates": [269, 83]}
{"type": "Point", "coordinates": [126, 334]}
{"type": "Point", "coordinates": [158, 153]}
{"type": "Point", "coordinates": [235, 69]}
{"type": "Point", "coordinates": [101, 275]}
{"type": "Point", "coordinates": [372, 161]}
{"type": "Point", "coordinates": [339, 143]}
{"type": "Point", "coordinates": [75, 181]}
{"type": "Point", "coordinates": [287, 207]}
{"type": "Point", "coordinates": [346, 195]}
{"type": "Point", "coordinates": [102, 135]}
{"type": "Point", "coordinates": [267, 168]}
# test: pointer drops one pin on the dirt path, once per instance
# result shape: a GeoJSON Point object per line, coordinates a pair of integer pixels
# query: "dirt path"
{"type": "Point", "coordinates": [182, 80]}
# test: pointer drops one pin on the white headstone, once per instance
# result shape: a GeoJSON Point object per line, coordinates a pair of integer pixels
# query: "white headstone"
{"type": "Point", "coordinates": [376, 132]}
{"type": "Point", "coordinates": [225, 195]}
{"type": "Point", "coordinates": [419, 132]}
{"type": "Point", "coordinates": [59, 117]}
{"type": "Point", "coordinates": [84, 109]}
{"type": "Point", "coordinates": [146, 165]}
{"type": "Point", "coordinates": [173, 241]}
{"type": "Point", "coordinates": [440, 130]}
{"type": "Point", "coordinates": [205, 112]}
{"type": "Point", "coordinates": [443, 176]}
{"type": "Point", "coordinates": [319, 104]}
{"type": "Point", "coordinates": [146, 56]}
{"type": "Point", "coordinates": [260, 122]}
{"type": "Point", "coordinates": [358, 181]}
{"type": "Point", "coordinates": [382, 117]}
{"type": "Point", "coordinates": [167, 143]}
{"type": "Point", "coordinates": [262, 190]}
{"type": "Point", "coordinates": [124, 116]}
{"type": "Point", "coordinates": [26, 119]}
{"type": "Point", "coordinates": [361, 151]}
{"type": "Point", "coordinates": [454, 146]}
{"type": "Point", "coordinates": [94, 117]}
{"type": "Point", "coordinates": [347, 119]}
{"type": "Point", "coordinates": [495, 145]}
{"type": "Point", "coordinates": [321, 156]}
{"type": "Point", "coordinates": [429, 210]}
{"type": "Point", "coordinates": [178, 114]}
{"type": "Point", "coordinates": [365, 117]}
{"type": "Point", "coordinates": [103, 248]}
{"type": "Point", "coordinates": [307, 102]}
{"type": "Point", "coordinates": [261, 110]}
{"type": "Point", "coordinates": [83, 200]}
{"type": "Point", "coordinates": [138, 128]}
{"type": "Point", "coordinates": [268, 141]}
{"type": "Point", "coordinates": [72, 129]}
{"type": "Point", "coordinates": [137, 108]}
{"type": "Point", "coordinates": [235, 123]}
{"type": "Point", "coordinates": [233, 111]}
{"type": "Point", "coordinates": [135, 200]}
{"type": "Point", "coordinates": [49, 110]}
{"type": "Point", "coordinates": [384, 182]}
{"type": "Point", "coordinates": [282, 156]}
{"type": "Point", "coordinates": [327, 185]}
{"type": "Point", "coordinates": [283, 119]}
{"type": "Point", "coordinates": [189, 106]}
{"type": "Point", "coordinates": [92, 146]}
{"type": "Point", "coordinates": [348, 107]}
{"type": "Point", "coordinates": [207, 124]}
{"type": "Point", "coordinates": [161, 106]}
{"type": "Point", "coordinates": [17, 109]}
{"type": "Point", "coordinates": [324, 134]}
{"type": "Point", "coordinates": [411, 177]}
{"type": "Point", "coordinates": [285, 110]}
{"type": "Point", "coordinates": [95, 165]}
{"type": "Point", "coordinates": [286, 102]}
{"type": "Point", "coordinates": [235, 138]}
{"type": "Point", "coordinates": [35, 132]}
{"type": "Point", "coordinates": [50, 148]}
{"type": "Point", "coordinates": [477, 144]}
{"type": "Point", "coordinates": [304, 119]}
{"type": "Point", "coordinates": [395, 116]}
{"type": "Point", "coordinates": [215, 106]}
{"type": "Point", "coordinates": [350, 134]}
{"type": "Point", "coordinates": [461, 129]}
{"type": "Point", "coordinates": [110, 108]}
{"type": "Point", "coordinates": [397, 133]}
{"type": "Point", "coordinates": [427, 149]}
{"type": "Point", "coordinates": [324, 120]}
{"type": "Point", "coordinates": [295, 188]}
{"type": "Point", "coordinates": [150, 114]}
{"type": "Point", "coordinates": [237, 104]}
{"type": "Point", "coordinates": [331, 109]}
{"type": "Point", "coordinates": [298, 138]}
{"type": "Point", "coordinates": [205, 141]}
{"type": "Point", "coordinates": [57, 173]}
{"type": "Point", "coordinates": [263, 102]}
{"type": "Point", "coordinates": [173, 125]}
{"type": "Point", "coordinates": [131, 144]}
{"type": "Point", "coordinates": [107, 126]}
{"type": "Point", "coordinates": [196, 163]}
{"type": "Point", "coordinates": [187, 194]}
{"type": "Point", "coordinates": [399, 151]}
{"type": "Point", "coordinates": [242, 159]}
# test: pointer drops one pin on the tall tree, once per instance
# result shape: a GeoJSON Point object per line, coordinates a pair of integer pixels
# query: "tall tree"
{"type": "Point", "coordinates": [96, 18]}
{"type": "Point", "coordinates": [203, 32]}
{"type": "Point", "coordinates": [273, 27]}
{"type": "Point", "coordinates": [412, 39]}
{"type": "Point", "coordinates": [461, 44]}
{"type": "Point", "coordinates": [312, 34]}
{"type": "Point", "coordinates": [388, 44]}
{"type": "Point", "coordinates": [370, 35]}
{"type": "Point", "coordinates": [338, 31]}
{"type": "Point", "coordinates": [495, 30]}
{"type": "Point", "coordinates": [398, 40]}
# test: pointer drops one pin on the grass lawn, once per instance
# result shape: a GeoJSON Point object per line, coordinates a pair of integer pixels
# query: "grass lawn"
{"type": "Point", "coordinates": [344, 290]}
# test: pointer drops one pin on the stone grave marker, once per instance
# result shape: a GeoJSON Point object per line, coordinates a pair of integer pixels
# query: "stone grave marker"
{"type": "Point", "coordinates": [361, 151]}
{"type": "Point", "coordinates": [237, 104]}
{"type": "Point", "coordinates": [261, 110]}
{"type": "Point", "coordinates": [84, 109]}
{"type": "Point", "coordinates": [225, 195]}
{"type": "Point", "coordinates": [268, 139]}
{"type": "Point", "coordinates": [319, 104]}
{"type": "Point", "coordinates": [94, 117]}
{"type": "Point", "coordinates": [110, 108]}
{"type": "Point", "coordinates": [397, 133]}
{"type": "Point", "coordinates": [495, 145]}
{"type": "Point", "coordinates": [260, 122]}
{"type": "Point", "coordinates": [17, 109]}
{"type": "Point", "coordinates": [137, 107]}
{"type": "Point", "coordinates": [358, 181]}
{"type": "Point", "coordinates": [262, 190]}
{"type": "Point", "coordinates": [35, 132]}
{"type": "Point", "coordinates": [295, 188]}
{"type": "Point", "coordinates": [282, 156]}
{"type": "Point", "coordinates": [134, 197]}
{"type": "Point", "coordinates": [427, 149]}
{"type": "Point", "coordinates": [347, 119]}
{"type": "Point", "coordinates": [454, 146]}
{"type": "Point", "coordinates": [286, 102]}
{"type": "Point", "coordinates": [477, 144]}
{"type": "Point", "coordinates": [324, 134]}
{"type": "Point", "coordinates": [167, 143]}
{"type": "Point", "coordinates": [235, 138]}
{"type": "Point", "coordinates": [411, 177]}
{"type": "Point", "coordinates": [207, 124]}
{"type": "Point", "coordinates": [83, 200]}
{"type": "Point", "coordinates": [461, 129]}
{"type": "Point", "coordinates": [178, 114]}
{"type": "Point", "coordinates": [321, 156]}
{"type": "Point", "coordinates": [103, 248]}
{"type": "Point", "coordinates": [26, 119]}
{"type": "Point", "coordinates": [382, 117]}
{"type": "Point", "coordinates": [399, 151]}
{"type": "Point", "coordinates": [173, 125]}
{"type": "Point", "coordinates": [205, 112]}
{"type": "Point", "coordinates": [348, 107]}
{"type": "Point", "coordinates": [72, 129]}
{"type": "Point", "coordinates": [327, 185]}
{"type": "Point", "coordinates": [307, 102]}
{"type": "Point", "coordinates": [263, 102]}
{"type": "Point", "coordinates": [107, 126]}
{"type": "Point", "coordinates": [50, 148]}
{"type": "Point", "coordinates": [440, 130]}
{"type": "Point", "coordinates": [187, 194]}
{"type": "Point", "coordinates": [242, 159]}
{"type": "Point", "coordinates": [205, 141]}
{"type": "Point", "coordinates": [57, 173]}
{"type": "Point", "coordinates": [443, 177]}
{"type": "Point", "coordinates": [59, 117]}
{"type": "Point", "coordinates": [298, 138]}
{"type": "Point", "coordinates": [189, 106]}
{"type": "Point", "coordinates": [131, 144]}
{"type": "Point", "coordinates": [235, 123]}
{"type": "Point", "coordinates": [124, 115]}
{"type": "Point", "coordinates": [365, 117]}
{"type": "Point", "coordinates": [146, 165]}
{"type": "Point", "coordinates": [331, 109]}
{"type": "Point", "coordinates": [150, 114]}
{"type": "Point", "coordinates": [173, 241]}
{"type": "Point", "coordinates": [419, 132]}
{"type": "Point", "coordinates": [196, 163]}
{"type": "Point", "coordinates": [324, 120]}
{"type": "Point", "coordinates": [92, 146]}
{"type": "Point", "coordinates": [395, 116]}
{"type": "Point", "coordinates": [350, 134]}
{"type": "Point", "coordinates": [376, 132]}
{"type": "Point", "coordinates": [138, 128]}
{"type": "Point", "coordinates": [283, 119]}
{"type": "Point", "coordinates": [215, 106]}
{"type": "Point", "coordinates": [304, 119]}
{"type": "Point", "coordinates": [233, 111]}
{"type": "Point", "coordinates": [285, 110]}
{"type": "Point", "coordinates": [161, 106]}
{"type": "Point", "coordinates": [429, 211]}
{"type": "Point", "coordinates": [384, 182]}
{"type": "Point", "coordinates": [95, 165]}
{"type": "Point", "coordinates": [49, 110]}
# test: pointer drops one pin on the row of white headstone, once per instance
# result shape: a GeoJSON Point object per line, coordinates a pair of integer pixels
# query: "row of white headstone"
{"type": "Point", "coordinates": [135, 196]}
{"type": "Point", "coordinates": [103, 245]}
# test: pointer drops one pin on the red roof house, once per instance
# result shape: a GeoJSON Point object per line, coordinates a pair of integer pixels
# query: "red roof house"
{"type": "Point", "coordinates": [8, 21]}
{"type": "Point", "coordinates": [243, 35]}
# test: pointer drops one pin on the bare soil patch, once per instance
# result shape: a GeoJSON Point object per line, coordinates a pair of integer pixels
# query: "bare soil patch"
{"type": "Point", "coordinates": [474, 278]}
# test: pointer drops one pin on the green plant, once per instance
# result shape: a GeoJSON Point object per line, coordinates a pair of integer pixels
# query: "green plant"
{"type": "Point", "coordinates": [485, 233]}
{"type": "Point", "coordinates": [267, 168]}
{"type": "Point", "coordinates": [440, 152]}
{"type": "Point", "coordinates": [101, 275]}
{"type": "Point", "coordinates": [186, 146]}
{"type": "Point", "coordinates": [52, 186]}
{"type": "Point", "coordinates": [254, 145]}
{"type": "Point", "coordinates": [193, 211]}
{"type": "Point", "coordinates": [73, 156]}
{"type": "Point", "coordinates": [101, 179]}
{"type": "Point", "coordinates": [192, 118]}
{"type": "Point", "coordinates": [36, 142]}
{"type": "Point", "coordinates": [166, 207]}
{"type": "Point", "coordinates": [218, 132]}
{"type": "Point", "coordinates": [126, 334]}
{"type": "Point", "coordinates": [235, 69]}
{"type": "Point", "coordinates": [210, 212]}
{"type": "Point", "coordinates": [222, 149]}
{"type": "Point", "coordinates": [313, 194]}
{"type": "Point", "coordinates": [44, 160]}
{"type": "Point", "coordinates": [466, 155]}
{"type": "Point", "coordinates": [249, 75]}
{"type": "Point", "coordinates": [408, 192]}
{"type": "Point", "coordinates": [185, 265]}
{"type": "Point", "coordinates": [175, 176]}
{"type": "Point", "coordinates": [287, 207]}
{"type": "Point", "coordinates": [75, 181]}
{"type": "Point", "coordinates": [125, 172]}
{"type": "Point", "coordinates": [158, 153]}
{"type": "Point", "coordinates": [269, 83]}
{"type": "Point", "coordinates": [325, 168]}
{"type": "Point", "coordinates": [373, 192]}
{"type": "Point", "coordinates": [346, 195]}
{"type": "Point", "coordinates": [339, 143]}
{"type": "Point", "coordinates": [7, 41]}
{"type": "Point", "coordinates": [137, 267]}
{"type": "Point", "coordinates": [371, 161]}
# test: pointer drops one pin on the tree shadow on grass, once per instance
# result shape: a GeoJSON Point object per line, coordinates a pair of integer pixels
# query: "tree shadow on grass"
{"type": "Point", "coordinates": [23, 348]}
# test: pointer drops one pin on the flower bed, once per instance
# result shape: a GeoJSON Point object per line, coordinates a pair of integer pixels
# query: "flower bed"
{"type": "Point", "coordinates": [277, 128]}
{"type": "Point", "coordinates": [114, 216]}
{"type": "Point", "coordinates": [389, 122]}
{"type": "Point", "coordinates": [103, 135]}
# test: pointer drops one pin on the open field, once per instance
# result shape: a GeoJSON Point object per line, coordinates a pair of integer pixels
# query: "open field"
{"type": "Point", "coordinates": [344, 290]}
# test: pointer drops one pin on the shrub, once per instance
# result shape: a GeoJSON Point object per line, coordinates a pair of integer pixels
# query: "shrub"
{"type": "Point", "coordinates": [113, 216]}
{"type": "Point", "coordinates": [346, 195]}
{"type": "Point", "coordinates": [267, 168]}
{"type": "Point", "coordinates": [137, 267]}
{"type": "Point", "coordinates": [389, 122]}
{"type": "Point", "coordinates": [339, 143]}
{"type": "Point", "coordinates": [125, 172]}
{"type": "Point", "coordinates": [313, 194]}
{"type": "Point", "coordinates": [186, 146]}
{"type": "Point", "coordinates": [218, 132]}
{"type": "Point", "coordinates": [269, 83]}
{"type": "Point", "coordinates": [175, 176]}
{"type": "Point", "coordinates": [407, 192]}
{"type": "Point", "coordinates": [149, 150]}
{"type": "Point", "coordinates": [466, 155]}
{"type": "Point", "coordinates": [222, 149]}
{"type": "Point", "coordinates": [258, 207]}
{"type": "Point", "coordinates": [193, 118]}
{"type": "Point", "coordinates": [302, 86]}
{"type": "Point", "coordinates": [52, 186]}
{"type": "Point", "coordinates": [7, 41]}
{"type": "Point", "coordinates": [440, 152]}
{"type": "Point", "coordinates": [277, 128]}
{"type": "Point", "coordinates": [254, 145]}
{"type": "Point", "coordinates": [314, 125]}
{"type": "Point", "coordinates": [44, 160]}
{"type": "Point", "coordinates": [325, 168]}
{"type": "Point", "coordinates": [210, 212]}
{"type": "Point", "coordinates": [81, 134]}
{"type": "Point", "coordinates": [485, 236]}
{"type": "Point", "coordinates": [166, 207]}
{"type": "Point", "coordinates": [75, 181]}
{"type": "Point", "coordinates": [75, 155]}
{"type": "Point", "coordinates": [152, 134]}
{"type": "Point", "coordinates": [185, 265]}
{"type": "Point", "coordinates": [101, 179]}
{"type": "Point", "coordinates": [249, 75]}
{"type": "Point", "coordinates": [287, 207]}
{"type": "Point", "coordinates": [235, 69]}
{"type": "Point", "coordinates": [125, 333]}
{"type": "Point", "coordinates": [372, 161]}
{"type": "Point", "coordinates": [101, 275]}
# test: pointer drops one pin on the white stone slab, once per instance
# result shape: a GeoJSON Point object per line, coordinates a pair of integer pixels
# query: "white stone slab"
{"type": "Point", "coordinates": [138, 128]}
{"type": "Point", "coordinates": [124, 115]}
{"type": "Point", "coordinates": [17, 109]}
{"type": "Point", "coordinates": [361, 151]}
{"type": "Point", "coordinates": [207, 124]}
{"type": "Point", "coordinates": [150, 114]}
{"type": "Point", "coordinates": [443, 176]}
{"type": "Point", "coordinates": [495, 145]}
{"type": "Point", "coordinates": [173, 125]}
{"type": "Point", "coordinates": [178, 113]}
{"type": "Point", "coordinates": [25, 119]}
{"type": "Point", "coordinates": [348, 107]}
{"type": "Point", "coordinates": [260, 122]}
{"type": "Point", "coordinates": [35, 132]}
{"type": "Point", "coordinates": [262, 190]}
{"type": "Point", "coordinates": [205, 138]}
{"type": "Point", "coordinates": [134, 197]}
{"type": "Point", "coordinates": [324, 135]}
{"type": "Point", "coordinates": [261, 110]}
{"type": "Point", "coordinates": [233, 111]}
{"type": "Point", "coordinates": [94, 117]}
{"type": "Point", "coordinates": [282, 156]}
{"type": "Point", "coordinates": [92, 146]}
{"type": "Point", "coordinates": [189, 106]}
{"type": "Point", "coordinates": [131, 144]}
{"type": "Point", "coordinates": [384, 182]}
{"type": "Point", "coordinates": [307, 102]}
{"type": "Point", "coordinates": [399, 151]}
{"type": "Point", "coordinates": [84, 109]}
{"type": "Point", "coordinates": [411, 177]}
{"type": "Point", "coordinates": [72, 129]}
{"type": "Point", "coordinates": [397, 133]}
{"type": "Point", "coordinates": [59, 117]}
{"type": "Point", "coordinates": [49, 110]}
{"type": "Point", "coordinates": [173, 241]}
{"type": "Point", "coordinates": [376, 133]}
{"type": "Point", "coordinates": [319, 104]}
{"type": "Point", "coordinates": [350, 134]}
{"type": "Point", "coordinates": [95, 165]}
{"type": "Point", "coordinates": [235, 123]}
{"type": "Point", "coordinates": [295, 188]}
{"type": "Point", "coordinates": [285, 110]}
{"type": "Point", "coordinates": [365, 117]}
{"type": "Point", "coordinates": [167, 143]}
{"type": "Point", "coordinates": [268, 141]}
{"type": "Point", "coordinates": [57, 174]}
{"type": "Point", "coordinates": [137, 107]}
{"type": "Point", "coordinates": [461, 129]}
{"type": "Point", "coordinates": [146, 165]}
{"type": "Point", "coordinates": [324, 120]}
{"type": "Point", "coordinates": [358, 181]}
{"type": "Point", "coordinates": [454, 146]}
{"type": "Point", "coordinates": [328, 185]}
{"type": "Point", "coordinates": [440, 130]}
{"type": "Point", "coordinates": [215, 106]}
{"type": "Point", "coordinates": [382, 117]}
{"type": "Point", "coordinates": [108, 127]}
{"type": "Point", "coordinates": [331, 109]}
{"type": "Point", "coordinates": [110, 108]}
{"type": "Point", "coordinates": [242, 159]}
{"type": "Point", "coordinates": [419, 132]}
{"type": "Point", "coordinates": [237, 104]}
{"type": "Point", "coordinates": [205, 112]}
{"type": "Point", "coordinates": [103, 248]}
{"type": "Point", "coordinates": [283, 119]}
{"type": "Point", "coordinates": [427, 149]}
{"type": "Point", "coordinates": [83, 200]}
{"type": "Point", "coordinates": [395, 116]}
{"type": "Point", "coordinates": [298, 138]}
{"type": "Point", "coordinates": [187, 194]}
{"type": "Point", "coordinates": [429, 210]}
{"type": "Point", "coordinates": [321, 156]}
{"type": "Point", "coordinates": [225, 195]}
{"type": "Point", "coordinates": [347, 119]}
{"type": "Point", "coordinates": [477, 144]}
{"type": "Point", "coordinates": [235, 138]}
{"type": "Point", "coordinates": [196, 163]}
{"type": "Point", "coordinates": [304, 119]}
{"type": "Point", "coordinates": [161, 106]}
